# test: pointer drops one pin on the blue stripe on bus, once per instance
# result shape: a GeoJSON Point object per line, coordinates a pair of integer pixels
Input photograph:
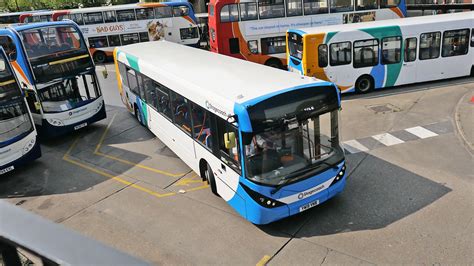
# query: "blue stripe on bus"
{"type": "Point", "coordinates": [300, 32]}
{"type": "Point", "coordinates": [15, 139]}
{"type": "Point", "coordinates": [33, 154]}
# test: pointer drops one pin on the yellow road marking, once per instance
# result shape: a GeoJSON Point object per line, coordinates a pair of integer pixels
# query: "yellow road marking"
{"type": "Point", "coordinates": [189, 180]}
{"type": "Point", "coordinates": [263, 261]}
{"type": "Point", "coordinates": [116, 178]}
{"type": "Point", "coordinates": [99, 145]}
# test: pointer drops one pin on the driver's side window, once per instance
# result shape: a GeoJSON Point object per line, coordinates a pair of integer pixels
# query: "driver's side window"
{"type": "Point", "coordinates": [232, 155]}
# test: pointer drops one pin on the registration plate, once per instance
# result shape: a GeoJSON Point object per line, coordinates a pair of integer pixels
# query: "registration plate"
{"type": "Point", "coordinates": [6, 170]}
{"type": "Point", "coordinates": [80, 126]}
{"type": "Point", "coordinates": [309, 205]}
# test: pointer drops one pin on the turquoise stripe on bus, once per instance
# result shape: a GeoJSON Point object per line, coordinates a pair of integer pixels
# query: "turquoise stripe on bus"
{"type": "Point", "coordinates": [133, 61]}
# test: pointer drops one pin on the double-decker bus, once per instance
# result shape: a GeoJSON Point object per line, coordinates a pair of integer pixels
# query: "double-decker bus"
{"type": "Point", "coordinates": [110, 26]}
{"type": "Point", "coordinates": [57, 73]}
{"type": "Point", "coordinates": [380, 54]}
{"type": "Point", "coordinates": [266, 140]}
{"type": "Point", "coordinates": [18, 144]}
{"type": "Point", "coordinates": [255, 30]}
{"type": "Point", "coordinates": [16, 17]}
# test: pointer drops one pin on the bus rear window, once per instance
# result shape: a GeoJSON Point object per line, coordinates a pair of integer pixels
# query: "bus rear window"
{"type": "Point", "coordinates": [295, 45]}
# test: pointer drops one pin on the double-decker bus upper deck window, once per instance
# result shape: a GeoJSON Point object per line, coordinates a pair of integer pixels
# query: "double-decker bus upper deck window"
{"type": "Point", "coordinates": [10, 49]}
{"type": "Point", "coordinates": [163, 12]}
{"type": "Point", "coordinates": [429, 45]}
{"type": "Point", "coordinates": [366, 4]}
{"type": "Point", "coordinates": [315, 6]}
{"type": "Point", "coordinates": [180, 11]}
{"type": "Point", "coordinates": [389, 3]}
{"type": "Point", "coordinates": [341, 6]}
{"type": "Point", "coordinates": [45, 18]}
{"type": "Point", "coordinates": [230, 13]}
{"type": "Point", "coordinates": [145, 13]}
{"type": "Point", "coordinates": [110, 16]}
{"type": "Point", "coordinates": [77, 18]}
{"type": "Point", "coordinates": [366, 53]}
{"type": "Point", "coordinates": [93, 18]}
{"type": "Point", "coordinates": [340, 53]}
{"type": "Point", "coordinates": [125, 15]}
{"type": "Point", "coordinates": [455, 42]}
{"type": "Point", "coordinates": [271, 9]}
{"type": "Point", "coordinates": [293, 8]}
{"type": "Point", "coordinates": [248, 11]}
{"type": "Point", "coordinates": [391, 50]}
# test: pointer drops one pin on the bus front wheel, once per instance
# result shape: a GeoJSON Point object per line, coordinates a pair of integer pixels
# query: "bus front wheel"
{"type": "Point", "coordinates": [138, 116]}
{"type": "Point", "coordinates": [100, 57]}
{"type": "Point", "coordinates": [364, 84]}
{"type": "Point", "coordinates": [274, 63]}
{"type": "Point", "coordinates": [210, 179]}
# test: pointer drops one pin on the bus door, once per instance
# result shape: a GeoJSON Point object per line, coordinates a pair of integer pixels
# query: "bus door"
{"type": "Point", "coordinates": [408, 73]}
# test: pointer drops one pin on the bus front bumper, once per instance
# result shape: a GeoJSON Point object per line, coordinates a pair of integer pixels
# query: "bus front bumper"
{"type": "Point", "coordinates": [32, 155]}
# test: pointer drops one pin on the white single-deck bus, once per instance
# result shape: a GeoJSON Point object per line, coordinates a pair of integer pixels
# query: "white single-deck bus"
{"type": "Point", "coordinates": [18, 144]}
{"type": "Point", "coordinates": [110, 26]}
{"type": "Point", "coordinates": [372, 55]}
{"type": "Point", "coordinates": [266, 140]}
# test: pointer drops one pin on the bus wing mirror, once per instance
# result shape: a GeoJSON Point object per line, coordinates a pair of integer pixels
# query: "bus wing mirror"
{"type": "Point", "coordinates": [229, 140]}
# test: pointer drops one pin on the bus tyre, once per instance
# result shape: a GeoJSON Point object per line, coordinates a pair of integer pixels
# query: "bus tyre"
{"type": "Point", "coordinates": [364, 84]}
{"type": "Point", "coordinates": [210, 179]}
{"type": "Point", "coordinates": [472, 71]}
{"type": "Point", "coordinates": [100, 57]}
{"type": "Point", "coordinates": [138, 116]}
{"type": "Point", "coordinates": [274, 63]}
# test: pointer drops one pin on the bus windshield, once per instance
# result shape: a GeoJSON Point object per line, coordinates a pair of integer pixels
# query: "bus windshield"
{"type": "Point", "coordinates": [55, 52]}
{"type": "Point", "coordinates": [295, 45]}
{"type": "Point", "coordinates": [14, 116]}
{"type": "Point", "coordinates": [293, 138]}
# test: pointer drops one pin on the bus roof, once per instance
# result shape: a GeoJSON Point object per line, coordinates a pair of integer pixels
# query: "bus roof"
{"type": "Point", "coordinates": [205, 76]}
{"type": "Point", "coordinates": [389, 22]}
{"type": "Point", "coordinates": [20, 27]}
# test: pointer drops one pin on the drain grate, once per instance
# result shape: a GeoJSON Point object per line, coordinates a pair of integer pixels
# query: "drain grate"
{"type": "Point", "coordinates": [383, 108]}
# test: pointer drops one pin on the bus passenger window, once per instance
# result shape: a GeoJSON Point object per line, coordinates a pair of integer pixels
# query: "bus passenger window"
{"type": "Point", "coordinates": [148, 89]}
{"type": "Point", "coordinates": [366, 4]}
{"type": "Point", "coordinates": [366, 53]}
{"type": "Point", "coordinates": [130, 38]}
{"type": "Point", "coordinates": [98, 42]}
{"type": "Point", "coordinates": [202, 125]}
{"type": "Point", "coordinates": [180, 11]}
{"type": "Point", "coordinates": [315, 6]}
{"type": "Point", "coordinates": [389, 3]}
{"type": "Point", "coordinates": [163, 12]}
{"type": "Point", "coordinates": [93, 18]}
{"type": "Point", "coordinates": [341, 6]}
{"type": "Point", "coordinates": [273, 45]}
{"type": "Point", "coordinates": [293, 8]}
{"type": "Point", "coordinates": [429, 45]}
{"type": "Point", "coordinates": [163, 96]}
{"type": "Point", "coordinates": [114, 40]}
{"type": "Point", "coordinates": [323, 55]}
{"type": "Point", "coordinates": [110, 16]}
{"type": "Point", "coordinates": [271, 8]}
{"type": "Point", "coordinates": [455, 42]}
{"type": "Point", "coordinates": [340, 53]}
{"type": "Point", "coordinates": [248, 11]}
{"type": "Point", "coordinates": [410, 50]}
{"type": "Point", "coordinates": [253, 46]}
{"type": "Point", "coordinates": [132, 81]}
{"type": "Point", "coordinates": [180, 108]}
{"type": "Point", "coordinates": [10, 49]}
{"type": "Point", "coordinates": [391, 47]}
{"type": "Point", "coordinates": [472, 38]}
{"type": "Point", "coordinates": [145, 13]}
{"type": "Point", "coordinates": [125, 15]}
{"type": "Point", "coordinates": [77, 18]}
{"type": "Point", "coordinates": [144, 37]}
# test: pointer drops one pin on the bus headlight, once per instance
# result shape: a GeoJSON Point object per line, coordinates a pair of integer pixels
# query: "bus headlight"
{"type": "Point", "coordinates": [339, 175]}
{"type": "Point", "coordinates": [99, 106]}
{"type": "Point", "coordinates": [28, 146]}
{"type": "Point", "coordinates": [55, 122]}
{"type": "Point", "coordinates": [262, 200]}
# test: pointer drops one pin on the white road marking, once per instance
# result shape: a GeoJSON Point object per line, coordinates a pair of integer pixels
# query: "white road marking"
{"type": "Point", "coordinates": [353, 146]}
{"type": "Point", "coordinates": [387, 139]}
{"type": "Point", "coordinates": [421, 132]}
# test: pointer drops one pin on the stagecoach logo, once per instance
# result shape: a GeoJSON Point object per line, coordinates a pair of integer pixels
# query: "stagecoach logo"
{"type": "Point", "coordinates": [211, 107]}
{"type": "Point", "coordinates": [77, 111]}
{"type": "Point", "coordinates": [315, 190]}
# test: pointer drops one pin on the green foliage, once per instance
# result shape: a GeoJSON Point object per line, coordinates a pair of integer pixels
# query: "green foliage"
{"type": "Point", "coordinates": [25, 5]}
